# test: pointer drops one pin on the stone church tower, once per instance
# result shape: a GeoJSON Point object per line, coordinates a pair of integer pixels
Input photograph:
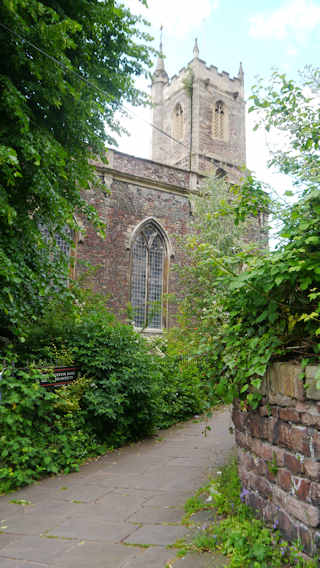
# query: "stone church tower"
{"type": "Point", "coordinates": [202, 113]}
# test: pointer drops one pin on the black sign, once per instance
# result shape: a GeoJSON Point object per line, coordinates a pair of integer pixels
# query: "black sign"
{"type": "Point", "coordinates": [61, 376]}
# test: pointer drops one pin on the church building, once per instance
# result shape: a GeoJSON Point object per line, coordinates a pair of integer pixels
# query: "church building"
{"type": "Point", "coordinates": [198, 129]}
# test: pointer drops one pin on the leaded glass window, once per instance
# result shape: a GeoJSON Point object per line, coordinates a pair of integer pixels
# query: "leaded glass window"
{"type": "Point", "coordinates": [61, 243]}
{"type": "Point", "coordinates": [218, 126]}
{"type": "Point", "coordinates": [64, 243]}
{"type": "Point", "coordinates": [147, 271]}
{"type": "Point", "coordinates": [60, 247]}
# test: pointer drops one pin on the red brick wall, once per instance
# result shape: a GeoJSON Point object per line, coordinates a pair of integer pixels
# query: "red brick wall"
{"type": "Point", "coordinates": [279, 454]}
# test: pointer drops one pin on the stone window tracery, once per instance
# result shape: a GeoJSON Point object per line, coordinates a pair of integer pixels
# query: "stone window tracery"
{"type": "Point", "coordinates": [148, 257]}
{"type": "Point", "coordinates": [178, 121]}
{"type": "Point", "coordinates": [218, 126]}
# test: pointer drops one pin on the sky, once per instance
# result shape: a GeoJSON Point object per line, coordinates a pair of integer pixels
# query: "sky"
{"type": "Point", "coordinates": [263, 34]}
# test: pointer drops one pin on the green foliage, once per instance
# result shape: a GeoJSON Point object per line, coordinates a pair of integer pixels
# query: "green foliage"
{"type": "Point", "coordinates": [188, 83]}
{"type": "Point", "coordinates": [235, 532]}
{"type": "Point", "coordinates": [53, 113]}
{"type": "Point", "coordinates": [41, 432]}
{"type": "Point", "coordinates": [133, 389]}
{"type": "Point", "coordinates": [273, 466]}
{"type": "Point", "coordinates": [182, 391]}
{"type": "Point", "coordinates": [121, 404]}
{"type": "Point", "coordinates": [121, 401]}
{"type": "Point", "coordinates": [126, 390]}
{"type": "Point", "coordinates": [292, 110]}
{"type": "Point", "coordinates": [246, 306]}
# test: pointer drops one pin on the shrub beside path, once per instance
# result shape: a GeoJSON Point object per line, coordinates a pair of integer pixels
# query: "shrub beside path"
{"type": "Point", "coordinates": [121, 510]}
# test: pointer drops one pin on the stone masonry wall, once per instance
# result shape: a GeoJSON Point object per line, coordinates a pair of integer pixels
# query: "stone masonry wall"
{"type": "Point", "coordinates": [279, 453]}
{"type": "Point", "coordinates": [207, 153]}
{"type": "Point", "coordinates": [137, 189]}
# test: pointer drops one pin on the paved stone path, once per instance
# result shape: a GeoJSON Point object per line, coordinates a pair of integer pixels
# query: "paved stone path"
{"type": "Point", "coordinates": [121, 510]}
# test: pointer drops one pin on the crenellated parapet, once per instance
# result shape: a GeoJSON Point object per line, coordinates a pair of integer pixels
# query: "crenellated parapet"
{"type": "Point", "coordinates": [200, 118]}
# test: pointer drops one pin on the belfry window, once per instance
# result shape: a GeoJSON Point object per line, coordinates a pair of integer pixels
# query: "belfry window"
{"type": "Point", "coordinates": [147, 276]}
{"type": "Point", "coordinates": [178, 122]}
{"type": "Point", "coordinates": [218, 126]}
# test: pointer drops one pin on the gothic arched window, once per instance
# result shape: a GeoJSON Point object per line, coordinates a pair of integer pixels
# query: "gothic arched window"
{"type": "Point", "coordinates": [178, 122]}
{"type": "Point", "coordinates": [218, 122]}
{"type": "Point", "coordinates": [148, 258]}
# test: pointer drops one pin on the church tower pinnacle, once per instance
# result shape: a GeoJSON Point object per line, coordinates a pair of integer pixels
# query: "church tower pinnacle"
{"type": "Point", "coordinates": [159, 80]}
{"type": "Point", "coordinates": [160, 73]}
{"type": "Point", "coordinates": [196, 48]}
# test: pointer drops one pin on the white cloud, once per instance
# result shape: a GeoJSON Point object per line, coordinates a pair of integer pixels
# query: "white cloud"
{"type": "Point", "coordinates": [177, 16]}
{"type": "Point", "coordinates": [292, 51]}
{"type": "Point", "coordinates": [138, 141]}
{"type": "Point", "coordinates": [260, 145]}
{"type": "Point", "coordinates": [296, 17]}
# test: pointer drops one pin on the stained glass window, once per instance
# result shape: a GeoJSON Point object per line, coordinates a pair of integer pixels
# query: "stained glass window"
{"type": "Point", "coordinates": [147, 271]}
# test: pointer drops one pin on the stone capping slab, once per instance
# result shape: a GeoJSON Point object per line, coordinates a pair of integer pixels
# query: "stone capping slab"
{"type": "Point", "coordinates": [283, 378]}
{"type": "Point", "coordinates": [312, 392]}
{"type": "Point", "coordinates": [282, 383]}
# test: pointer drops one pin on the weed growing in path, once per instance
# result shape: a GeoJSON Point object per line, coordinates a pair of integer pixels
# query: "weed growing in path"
{"type": "Point", "coordinates": [232, 529]}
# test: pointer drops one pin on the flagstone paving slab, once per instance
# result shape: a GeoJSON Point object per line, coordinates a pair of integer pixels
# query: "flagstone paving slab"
{"type": "Point", "coordinates": [10, 563]}
{"type": "Point", "coordinates": [121, 510]}
{"type": "Point", "coordinates": [86, 528]}
{"type": "Point", "coordinates": [157, 515]}
{"type": "Point", "coordinates": [153, 557]}
{"type": "Point", "coordinates": [160, 535]}
{"type": "Point", "coordinates": [171, 499]}
{"type": "Point", "coordinates": [5, 539]}
{"type": "Point", "coordinates": [36, 548]}
{"type": "Point", "coordinates": [205, 560]}
{"type": "Point", "coordinates": [97, 555]}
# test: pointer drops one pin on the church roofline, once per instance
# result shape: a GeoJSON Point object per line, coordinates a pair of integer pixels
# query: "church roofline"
{"type": "Point", "coordinates": [182, 187]}
{"type": "Point", "coordinates": [153, 162]}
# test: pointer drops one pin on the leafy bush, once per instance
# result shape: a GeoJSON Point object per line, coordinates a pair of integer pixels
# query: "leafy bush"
{"type": "Point", "coordinates": [125, 392]}
{"type": "Point", "coordinates": [122, 402]}
{"type": "Point", "coordinates": [182, 391]}
{"type": "Point", "coordinates": [40, 432]}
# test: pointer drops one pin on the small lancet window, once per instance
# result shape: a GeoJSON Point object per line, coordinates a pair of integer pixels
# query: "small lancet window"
{"type": "Point", "coordinates": [178, 122]}
{"type": "Point", "coordinates": [218, 126]}
{"type": "Point", "coordinates": [147, 276]}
